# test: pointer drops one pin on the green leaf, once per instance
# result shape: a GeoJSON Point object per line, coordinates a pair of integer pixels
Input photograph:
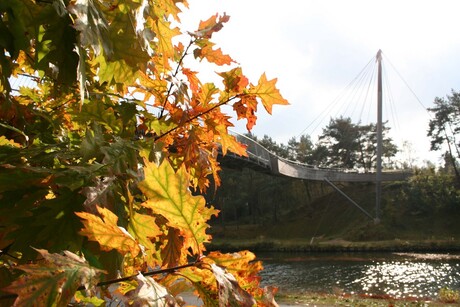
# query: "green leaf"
{"type": "Point", "coordinates": [169, 195]}
{"type": "Point", "coordinates": [49, 223]}
{"type": "Point", "coordinates": [91, 24]}
{"type": "Point", "coordinates": [53, 282]}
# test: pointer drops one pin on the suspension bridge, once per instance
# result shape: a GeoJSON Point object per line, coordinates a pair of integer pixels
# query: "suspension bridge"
{"type": "Point", "coordinates": [263, 160]}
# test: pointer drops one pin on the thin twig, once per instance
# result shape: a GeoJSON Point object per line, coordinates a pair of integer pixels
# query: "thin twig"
{"type": "Point", "coordinates": [179, 64]}
{"type": "Point", "coordinates": [113, 281]}
{"type": "Point", "coordinates": [195, 117]}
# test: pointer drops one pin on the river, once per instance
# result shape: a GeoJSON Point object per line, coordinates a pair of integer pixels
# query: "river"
{"type": "Point", "coordinates": [399, 275]}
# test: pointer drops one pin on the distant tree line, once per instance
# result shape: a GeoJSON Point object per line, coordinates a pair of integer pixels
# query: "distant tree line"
{"type": "Point", "coordinates": [342, 144]}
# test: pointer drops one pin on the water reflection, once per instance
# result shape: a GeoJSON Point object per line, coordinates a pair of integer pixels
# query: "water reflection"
{"type": "Point", "coordinates": [397, 275]}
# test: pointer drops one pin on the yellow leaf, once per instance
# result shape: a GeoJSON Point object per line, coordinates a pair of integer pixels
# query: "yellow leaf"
{"type": "Point", "coordinates": [168, 194]}
{"type": "Point", "coordinates": [105, 231]}
{"type": "Point", "coordinates": [144, 228]}
{"type": "Point", "coordinates": [268, 93]}
{"type": "Point", "coordinates": [165, 35]}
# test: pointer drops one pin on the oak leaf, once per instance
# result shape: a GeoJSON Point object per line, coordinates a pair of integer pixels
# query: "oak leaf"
{"type": "Point", "coordinates": [53, 282]}
{"type": "Point", "coordinates": [213, 24]}
{"type": "Point", "coordinates": [169, 195]}
{"type": "Point", "coordinates": [107, 233]}
{"type": "Point", "coordinates": [266, 90]}
{"type": "Point", "coordinates": [215, 56]}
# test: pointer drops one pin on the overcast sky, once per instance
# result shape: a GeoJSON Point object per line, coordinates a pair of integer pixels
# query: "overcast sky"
{"type": "Point", "coordinates": [316, 48]}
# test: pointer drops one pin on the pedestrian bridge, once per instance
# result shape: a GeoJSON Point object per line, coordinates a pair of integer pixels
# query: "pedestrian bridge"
{"type": "Point", "coordinates": [262, 159]}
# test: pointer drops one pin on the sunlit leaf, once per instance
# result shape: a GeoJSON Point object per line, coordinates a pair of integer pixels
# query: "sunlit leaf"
{"type": "Point", "coordinates": [214, 24]}
{"type": "Point", "coordinates": [268, 93]}
{"type": "Point", "coordinates": [168, 195]}
{"type": "Point", "coordinates": [107, 233]}
{"type": "Point", "coordinates": [147, 293]}
{"type": "Point", "coordinates": [91, 24]}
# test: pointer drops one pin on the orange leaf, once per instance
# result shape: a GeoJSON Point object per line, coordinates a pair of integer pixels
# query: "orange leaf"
{"type": "Point", "coordinates": [105, 231]}
{"type": "Point", "coordinates": [229, 142]}
{"type": "Point", "coordinates": [192, 79]}
{"type": "Point", "coordinates": [213, 24]}
{"type": "Point", "coordinates": [212, 55]}
{"type": "Point", "coordinates": [268, 93]}
{"type": "Point", "coordinates": [234, 80]}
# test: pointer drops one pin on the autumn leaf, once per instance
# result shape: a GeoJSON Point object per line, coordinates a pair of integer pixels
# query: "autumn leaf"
{"type": "Point", "coordinates": [234, 80]}
{"type": "Point", "coordinates": [168, 195]}
{"type": "Point", "coordinates": [147, 293]}
{"type": "Point", "coordinates": [212, 55]}
{"type": "Point", "coordinates": [268, 93]}
{"type": "Point", "coordinates": [165, 34]}
{"type": "Point", "coordinates": [144, 229]}
{"type": "Point", "coordinates": [172, 251]}
{"type": "Point", "coordinates": [230, 293]}
{"type": "Point", "coordinates": [229, 142]}
{"type": "Point", "coordinates": [214, 24]}
{"type": "Point", "coordinates": [53, 282]}
{"type": "Point", "coordinates": [247, 108]}
{"type": "Point", "coordinates": [107, 233]}
{"type": "Point", "coordinates": [91, 24]}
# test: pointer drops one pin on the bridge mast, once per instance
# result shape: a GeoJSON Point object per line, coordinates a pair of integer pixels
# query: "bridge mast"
{"type": "Point", "coordinates": [378, 179]}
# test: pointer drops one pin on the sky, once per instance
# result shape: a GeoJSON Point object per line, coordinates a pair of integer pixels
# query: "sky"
{"type": "Point", "coordinates": [317, 48]}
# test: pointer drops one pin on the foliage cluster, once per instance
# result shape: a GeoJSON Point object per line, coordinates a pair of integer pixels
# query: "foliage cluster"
{"type": "Point", "coordinates": [100, 156]}
{"type": "Point", "coordinates": [444, 129]}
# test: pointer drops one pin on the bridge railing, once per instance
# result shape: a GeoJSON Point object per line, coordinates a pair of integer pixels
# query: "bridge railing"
{"type": "Point", "coordinates": [256, 152]}
{"type": "Point", "coordinates": [262, 156]}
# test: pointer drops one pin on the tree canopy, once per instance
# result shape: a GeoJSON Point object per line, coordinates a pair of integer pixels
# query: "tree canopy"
{"type": "Point", "coordinates": [99, 156]}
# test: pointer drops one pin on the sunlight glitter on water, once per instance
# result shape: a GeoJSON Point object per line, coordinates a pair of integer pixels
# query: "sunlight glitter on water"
{"type": "Point", "coordinates": [404, 279]}
{"type": "Point", "coordinates": [396, 275]}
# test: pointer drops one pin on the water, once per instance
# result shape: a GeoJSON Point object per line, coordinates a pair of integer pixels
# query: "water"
{"type": "Point", "coordinates": [399, 275]}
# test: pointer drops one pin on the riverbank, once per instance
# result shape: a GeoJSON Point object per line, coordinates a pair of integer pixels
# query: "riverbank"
{"type": "Point", "coordinates": [262, 244]}
{"type": "Point", "coordinates": [323, 300]}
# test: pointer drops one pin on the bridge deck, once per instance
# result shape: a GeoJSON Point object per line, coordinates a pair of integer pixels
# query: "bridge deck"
{"type": "Point", "coordinates": [263, 159]}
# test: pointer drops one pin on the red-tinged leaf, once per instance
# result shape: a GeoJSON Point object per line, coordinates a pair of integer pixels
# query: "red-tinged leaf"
{"type": "Point", "coordinates": [234, 80]}
{"type": "Point", "coordinates": [213, 24]}
{"type": "Point", "coordinates": [242, 266]}
{"type": "Point", "coordinates": [268, 93]}
{"type": "Point", "coordinates": [230, 293]}
{"type": "Point", "coordinates": [54, 281]}
{"type": "Point", "coordinates": [247, 108]}
{"type": "Point", "coordinates": [192, 79]}
{"type": "Point", "coordinates": [172, 252]}
{"type": "Point", "coordinates": [107, 233]}
{"type": "Point", "coordinates": [169, 195]}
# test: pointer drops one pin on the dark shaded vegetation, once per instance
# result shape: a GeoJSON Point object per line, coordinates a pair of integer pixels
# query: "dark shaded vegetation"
{"type": "Point", "coordinates": [261, 207]}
